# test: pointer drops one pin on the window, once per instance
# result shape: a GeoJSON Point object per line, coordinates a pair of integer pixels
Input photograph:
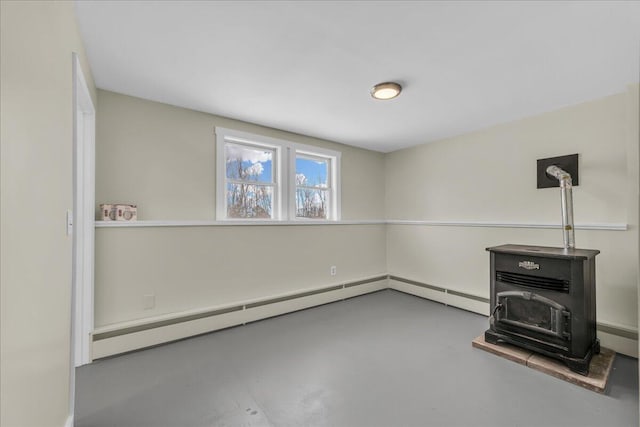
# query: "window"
{"type": "Point", "coordinates": [250, 180]}
{"type": "Point", "coordinates": [260, 178]}
{"type": "Point", "coordinates": [313, 192]}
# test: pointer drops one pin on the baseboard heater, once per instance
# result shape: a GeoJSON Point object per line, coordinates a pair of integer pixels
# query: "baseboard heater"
{"type": "Point", "coordinates": [480, 305]}
{"type": "Point", "coordinates": [128, 338]}
{"type": "Point", "coordinates": [439, 289]}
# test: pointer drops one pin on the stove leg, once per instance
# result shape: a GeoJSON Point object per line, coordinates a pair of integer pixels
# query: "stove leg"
{"type": "Point", "coordinates": [580, 367]}
{"type": "Point", "coordinates": [491, 337]}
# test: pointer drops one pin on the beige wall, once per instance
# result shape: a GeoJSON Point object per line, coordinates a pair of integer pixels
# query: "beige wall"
{"type": "Point", "coordinates": [490, 175]}
{"type": "Point", "coordinates": [190, 268]}
{"type": "Point", "coordinates": [37, 41]}
{"type": "Point", "coordinates": [163, 159]}
{"type": "Point", "coordinates": [169, 153]}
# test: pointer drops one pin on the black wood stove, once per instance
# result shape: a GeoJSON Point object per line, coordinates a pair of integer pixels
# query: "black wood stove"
{"type": "Point", "coordinates": [544, 299]}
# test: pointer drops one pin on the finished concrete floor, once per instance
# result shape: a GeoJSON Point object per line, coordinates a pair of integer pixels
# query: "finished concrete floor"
{"type": "Point", "coordinates": [383, 359]}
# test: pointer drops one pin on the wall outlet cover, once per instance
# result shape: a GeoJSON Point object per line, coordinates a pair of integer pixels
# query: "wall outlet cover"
{"type": "Point", "coordinates": [149, 301]}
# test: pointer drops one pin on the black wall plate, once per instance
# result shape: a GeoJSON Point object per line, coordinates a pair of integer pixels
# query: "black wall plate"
{"type": "Point", "coordinates": [569, 163]}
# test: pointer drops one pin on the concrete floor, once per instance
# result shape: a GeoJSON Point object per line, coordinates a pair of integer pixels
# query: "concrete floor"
{"type": "Point", "coordinates": [384, 359]}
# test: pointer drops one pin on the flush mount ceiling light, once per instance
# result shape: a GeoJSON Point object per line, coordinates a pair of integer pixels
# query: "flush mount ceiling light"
{"type": "Point", "coordinates": [386, 90]}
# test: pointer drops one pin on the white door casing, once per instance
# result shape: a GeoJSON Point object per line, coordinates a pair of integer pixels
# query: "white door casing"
{"type": "Point", "coordinates": [83, 227]}
{"type": "Point", "coordinates": [83, 217]}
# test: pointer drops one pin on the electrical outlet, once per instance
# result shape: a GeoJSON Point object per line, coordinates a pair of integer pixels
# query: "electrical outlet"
{"type": "Point", "coordinates": [149, 301]}
{"type": "Point", "coordinates": [333, 270]}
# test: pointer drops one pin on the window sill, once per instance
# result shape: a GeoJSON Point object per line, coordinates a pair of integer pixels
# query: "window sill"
{"type": "Point", "coordinates": [191, 223]}
{"type": "Point", "coordinates": [309, 222]}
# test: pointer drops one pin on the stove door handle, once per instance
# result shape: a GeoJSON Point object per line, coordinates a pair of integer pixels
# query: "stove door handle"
{"type": "Point", "coordinates": [498, 307]}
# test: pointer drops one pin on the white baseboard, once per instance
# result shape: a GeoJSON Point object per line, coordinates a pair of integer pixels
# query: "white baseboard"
{"type": "Point", "coordinates": [616, 337]}
{"type": "Point", "coordinates": [124, 339]}
{"type": "Point", "coordinates": [129, 336]}
{"type": "Point", "coordinates": [444, 296]}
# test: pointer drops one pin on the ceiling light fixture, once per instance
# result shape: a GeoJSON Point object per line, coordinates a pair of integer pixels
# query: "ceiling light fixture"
{"type": "Point", "coordinates": [386, 90]}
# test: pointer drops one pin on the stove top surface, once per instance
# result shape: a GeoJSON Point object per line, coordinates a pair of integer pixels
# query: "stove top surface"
{"type": "Point", "coordinates": [545, 251]}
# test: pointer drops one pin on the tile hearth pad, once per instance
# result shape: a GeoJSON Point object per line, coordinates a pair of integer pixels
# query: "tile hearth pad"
{"type": "Point", "coordinates": [599, 368]}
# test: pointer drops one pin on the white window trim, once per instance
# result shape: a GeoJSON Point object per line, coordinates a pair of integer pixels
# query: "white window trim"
{"type": "Point", "coordinates": [284, 173]}
{"type": "Point", "coordinates": [334, 180]}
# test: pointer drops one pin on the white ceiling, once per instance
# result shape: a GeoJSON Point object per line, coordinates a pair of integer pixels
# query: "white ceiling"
{"type": "Point", "coordinates": [307, 67]}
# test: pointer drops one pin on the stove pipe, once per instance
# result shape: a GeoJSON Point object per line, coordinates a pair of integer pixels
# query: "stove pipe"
{"type": "Point", "coordinates": [566, 196]}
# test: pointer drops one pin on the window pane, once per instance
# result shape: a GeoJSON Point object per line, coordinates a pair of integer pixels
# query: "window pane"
{"type": "Point", "coordinates": [248, 163]}
{"type": "Point", "coordinates": [312, 172]}
{"type": "Point", "coordinates": [249, 201]}
{"type": "Point", "coordinates": [311, 203]}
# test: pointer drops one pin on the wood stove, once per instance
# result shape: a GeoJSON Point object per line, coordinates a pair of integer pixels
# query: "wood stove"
{"type": "Point", "coordinates": [544, 299]}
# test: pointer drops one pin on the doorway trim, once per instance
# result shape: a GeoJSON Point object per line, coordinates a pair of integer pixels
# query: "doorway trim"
{"type": "Point", "coordinates": [84, 214]}
{"type": "Point", "coordinates": [82, 227]}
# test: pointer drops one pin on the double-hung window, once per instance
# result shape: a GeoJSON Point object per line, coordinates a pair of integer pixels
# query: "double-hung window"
{"type": "Point", "coordinates": [261, 178]}
{"type": "Point", "coordinates": [313, 186]}
{"type": "Point", "coordinates": [252, 188]}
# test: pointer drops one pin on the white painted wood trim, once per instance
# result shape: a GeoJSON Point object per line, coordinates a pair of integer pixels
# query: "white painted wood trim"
{"type": "Point", "coordinates": [284, 168]}
{"type": "Point", "coordinates": [336, 172]}
{"type": "Point", "coordinates": [81, 324]}
{"type": "Point", "coordinates": [335, 176]}
{"type": "Point", "coordinates": [242, 303]}
{"type": "Point", "coordinates": [158, 335]}
{"type": "Point", "coordinates": [227, 223]}
{"type": "Point", "coordinates": [492, 224]}
{"type": "Point", "coordinates": [204, 223]}
{"type": "Point", "coordinates": [220, 174]}
{"type": "Point", "coordinates": [613, 338]}
{"type": "Point", "coordinates": [84, 227]}
{"type": "Point", "coordinates": [620, 326]}
{"type": "Point", "coordinates": [248, 311]}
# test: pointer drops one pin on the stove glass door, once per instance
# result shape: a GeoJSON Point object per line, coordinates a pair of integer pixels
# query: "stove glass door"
{"type": "Point", "coordinates": [533, 312]}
